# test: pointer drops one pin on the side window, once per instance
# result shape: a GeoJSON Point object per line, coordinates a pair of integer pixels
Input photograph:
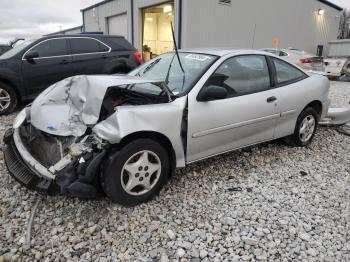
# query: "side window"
{"type": "Point", "coordinates": [54, 47]}
{"type": "Point", "coordinates": [87, 45]}
{"type": "Point", "coordinates": [283, 54]}
{"type": "Point", "coordinates": [242, 75]}
{"type": "Point", "coordinates": [286, 72]}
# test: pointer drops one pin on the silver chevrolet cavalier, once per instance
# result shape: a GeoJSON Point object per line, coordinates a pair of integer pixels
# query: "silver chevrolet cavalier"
{"type": "Point", "coordinates": [123, 136]}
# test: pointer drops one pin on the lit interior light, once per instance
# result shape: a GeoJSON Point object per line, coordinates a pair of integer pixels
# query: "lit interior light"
{"type": "Point", "coordinates": [149, 19]}
{"type": "Point", "coordinates": [168, 9]}
{"type": "Point", "coordinates": [320, 11]}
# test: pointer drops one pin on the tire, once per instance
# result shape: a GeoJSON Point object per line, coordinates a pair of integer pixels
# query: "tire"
{"type": "Point", "coordinates": [303, 138]}
{"type": "Point", "coordinates": [126, 183]}
{"type": "Point", "coordinates": [8, 99]}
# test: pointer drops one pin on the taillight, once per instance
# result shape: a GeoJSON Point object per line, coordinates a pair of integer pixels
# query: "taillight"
{"type": "Point", "coordinates": [305, 61]}
{"type": "Point", "coordinates": [138, 57]}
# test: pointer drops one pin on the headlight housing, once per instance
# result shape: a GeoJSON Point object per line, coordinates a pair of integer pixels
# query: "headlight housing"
{"type": "Point", "coordinates": [20, 118]}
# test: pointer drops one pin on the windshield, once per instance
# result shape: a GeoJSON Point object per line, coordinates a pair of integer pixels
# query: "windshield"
{"type": "Point", "coordinates": [16, 49]}
{"type": "Point", "coordinates": [179, 83]}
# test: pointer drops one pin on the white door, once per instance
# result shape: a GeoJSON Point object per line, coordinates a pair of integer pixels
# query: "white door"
{"type": "Point", "coordinates": [246, 116]}
{"type": "Point", "coordinates": [118, 25]}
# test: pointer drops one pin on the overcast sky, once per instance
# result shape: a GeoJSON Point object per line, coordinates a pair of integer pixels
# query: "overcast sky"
{"type": "Point", "coordinates": [33, 18]}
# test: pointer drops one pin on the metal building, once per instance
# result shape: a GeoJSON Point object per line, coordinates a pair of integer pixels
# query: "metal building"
{"type": "Point", "coordinates": [69, 31]}
{"type": "Point", "coordinates": [339, 48]}
{"type": "Point", "coordinates": [304, 24]}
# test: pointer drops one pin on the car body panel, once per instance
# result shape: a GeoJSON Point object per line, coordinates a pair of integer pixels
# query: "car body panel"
{"type": "Point", "coordinates": [336, 116]}
{"type": "Point", "coordinates": [165, 119]}
{"type": "Point", "coordinates": [219, 126]}
{"type": "Point", "coordinates": [293, 98]}
{"type": "Point", "coordinates": [75, 102]}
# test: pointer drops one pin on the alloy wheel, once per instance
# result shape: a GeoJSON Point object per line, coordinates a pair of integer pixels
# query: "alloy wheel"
{"type": "Point", "coordinates": [141, 173]}
{"type": "Point", "coordinates": [5, 99]}
{"type": "Point", "coordinates": [307, 128]}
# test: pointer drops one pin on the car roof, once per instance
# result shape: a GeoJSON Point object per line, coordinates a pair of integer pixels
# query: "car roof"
{"type": "Point", "coordinates": [81, 35]}
{"type": "Point", "coordinates": [223, 51]}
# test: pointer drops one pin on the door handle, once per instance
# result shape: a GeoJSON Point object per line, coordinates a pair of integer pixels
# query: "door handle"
{"type": "Point", "coordinates": [64, 62]}
{"type": "Point", "coordinates": [271, 99]}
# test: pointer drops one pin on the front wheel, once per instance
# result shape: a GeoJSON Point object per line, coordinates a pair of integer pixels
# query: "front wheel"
{"type": "Point", "coordinates": [136, 173]}
{"type": "Point", "coordinates": [8, 99]}
{"type": "Point", "coordinates": [305, 128]}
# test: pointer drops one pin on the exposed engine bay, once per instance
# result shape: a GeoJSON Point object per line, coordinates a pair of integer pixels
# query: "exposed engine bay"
{"type": "Point", "coordinates": [125, 96]}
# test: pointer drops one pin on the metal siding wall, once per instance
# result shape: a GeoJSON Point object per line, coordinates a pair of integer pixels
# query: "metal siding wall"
{"type": "Point", "coordinates": [99, 22]}
{"type": "Point", "coordinates": [73, 31]}
{"type": "Point", "coordinates": [295, 22]}
{"type": "Point", "coordinates": [341, 49]}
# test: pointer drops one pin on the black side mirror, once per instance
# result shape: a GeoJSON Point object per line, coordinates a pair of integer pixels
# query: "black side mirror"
{"type": "Point", "coordinates": [212, 92]}
{"type": "Point", "coordinates": [31, 55]}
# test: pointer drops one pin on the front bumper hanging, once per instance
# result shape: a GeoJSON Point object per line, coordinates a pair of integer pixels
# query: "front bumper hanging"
{"type": "Point", "coordinates": [78, 179]}
{"type": "Point", "coordinates": [22, 172]}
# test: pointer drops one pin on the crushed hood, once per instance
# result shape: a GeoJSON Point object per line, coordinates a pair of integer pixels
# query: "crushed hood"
{"type": "Point", "coordinates": [68, 107]}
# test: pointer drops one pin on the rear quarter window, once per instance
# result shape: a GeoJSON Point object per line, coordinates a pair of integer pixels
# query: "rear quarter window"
{"type": "Point", "coordinates": [287, 73]}
{"type": "Point", "coordinates": [87, 46]}
{"type": "Point", "coordinates": [119, 44]}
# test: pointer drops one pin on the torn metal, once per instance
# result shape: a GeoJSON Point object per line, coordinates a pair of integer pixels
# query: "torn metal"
{"type": "Point", "coordinates": [68, 107]}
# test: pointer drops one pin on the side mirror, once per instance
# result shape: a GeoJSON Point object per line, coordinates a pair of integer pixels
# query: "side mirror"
{"type": "Point", "coordinates": [31, 55]}
{"type": "Point", "coordinates": [212, 92]}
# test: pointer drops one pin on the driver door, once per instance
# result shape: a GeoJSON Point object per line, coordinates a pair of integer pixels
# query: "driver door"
{"type": "Point", "coordinates": [246, 116]}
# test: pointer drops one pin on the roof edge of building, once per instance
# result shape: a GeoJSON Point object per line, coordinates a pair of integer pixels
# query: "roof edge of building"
{"type": "Point", "coordinates": [339, 41]}
{"type": "Point", "coordinates": [326, 2]}
{"type": "Point", "coordinates": [95, 5]}
{"type": "Point", "coordinates": [337, 7]}
{"type": "Point", "coordinates": [65, 30]}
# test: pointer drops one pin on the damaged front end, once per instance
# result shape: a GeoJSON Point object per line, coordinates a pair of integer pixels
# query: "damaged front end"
{"type": "Point", "coordinates": [60, 142]}
{"type": "Point", "coordinates": [54, 164]}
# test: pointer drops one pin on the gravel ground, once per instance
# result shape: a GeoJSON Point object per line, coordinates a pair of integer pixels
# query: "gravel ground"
{"type": "Point", "coordinates": [269, 202]}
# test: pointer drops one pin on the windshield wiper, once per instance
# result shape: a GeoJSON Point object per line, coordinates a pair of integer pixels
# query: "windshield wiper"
{"type": "Point", "coordinates": [178, 58]}
{"type": "Point", "coordinates": [169, 69]}
{"type": "Point", "coordinates": [149, 67]}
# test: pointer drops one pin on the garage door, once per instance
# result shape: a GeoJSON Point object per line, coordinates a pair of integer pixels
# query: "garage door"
{"type": "Point", "coordinates": [118, 25]}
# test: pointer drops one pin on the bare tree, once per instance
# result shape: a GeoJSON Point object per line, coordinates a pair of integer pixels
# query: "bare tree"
{"type": "Point", "coordinates": [344, 26]}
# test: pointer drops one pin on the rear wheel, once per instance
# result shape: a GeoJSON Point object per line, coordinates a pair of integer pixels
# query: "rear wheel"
{"type": "Point", "coordinates": [136, 173]}
{"type": "Point", "coordinates": [8, 99]}
{"type": "Point", "coordinates": [305, 128]}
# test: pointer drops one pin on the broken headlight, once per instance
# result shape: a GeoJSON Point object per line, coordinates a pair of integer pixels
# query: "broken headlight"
{"type": "Point", "coordinates": [21, 117]}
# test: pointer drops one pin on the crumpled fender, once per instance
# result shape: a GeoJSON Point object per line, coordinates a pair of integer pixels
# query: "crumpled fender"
{"type": "Point", "coordinates": [165, 119]}
{"type": "Point", "coordinates": [68, 107]}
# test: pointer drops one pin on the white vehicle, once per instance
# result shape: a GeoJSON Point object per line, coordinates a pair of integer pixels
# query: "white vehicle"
{"type": "Point", "coordinates": [334, 66]}
{"type": "Point", "coordinates": [123, 136]}
{"type": "Point", "coordinates": [306, 61]}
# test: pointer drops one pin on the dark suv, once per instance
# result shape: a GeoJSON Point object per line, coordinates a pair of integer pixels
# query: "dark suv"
{"type": "Point", "coordinates": [32, 66]}
{"type": "Point", "coordinates": [4, 48]}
